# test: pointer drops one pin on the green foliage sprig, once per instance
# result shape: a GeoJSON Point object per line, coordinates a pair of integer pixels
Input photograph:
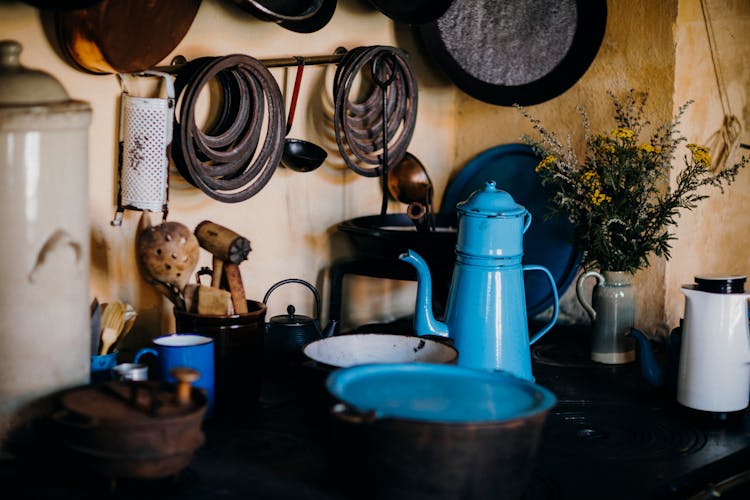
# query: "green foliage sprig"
{"type": "Point", "coordinates": [619, 199]}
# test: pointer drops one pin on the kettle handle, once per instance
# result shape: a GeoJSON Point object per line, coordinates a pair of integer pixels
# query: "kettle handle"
{"type": "Point", "coordinates": [579, 291]}
{"type": "Point", "coordinates": [301, 282]}
{"type": "Point", "coordinates": [552, 322]}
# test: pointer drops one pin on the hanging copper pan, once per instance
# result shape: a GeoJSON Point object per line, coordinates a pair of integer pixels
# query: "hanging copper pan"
{"type": "Point", "coordinates": [123, 36]}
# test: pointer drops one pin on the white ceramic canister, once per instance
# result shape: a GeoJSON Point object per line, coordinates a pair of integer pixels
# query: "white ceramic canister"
{"type": "Point", "coordinates": [44, 236]}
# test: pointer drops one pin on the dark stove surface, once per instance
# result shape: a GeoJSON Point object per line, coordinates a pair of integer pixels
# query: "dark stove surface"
{"type": "Point", "coordinates": [613, 436]}
{"type": "Point", "coordinates": [610, 436]}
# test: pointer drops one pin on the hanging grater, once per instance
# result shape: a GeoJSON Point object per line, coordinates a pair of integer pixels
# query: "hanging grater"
{"type": "Point", "coordinates": [145, 138]}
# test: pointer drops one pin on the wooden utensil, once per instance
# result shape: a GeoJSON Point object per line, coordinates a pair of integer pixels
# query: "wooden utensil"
{"type": "Point", "coordinates": [166, 255]}
{"type": "Point", "coordinates": [113, 320]}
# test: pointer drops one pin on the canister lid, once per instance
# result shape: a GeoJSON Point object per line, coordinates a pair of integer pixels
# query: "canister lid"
{"type": "Point", "coordinates": [20, 86]}
{"type": "Point", "coordinates": [490, 201]}
{"type": "Point", "coordinates": [717, 283]}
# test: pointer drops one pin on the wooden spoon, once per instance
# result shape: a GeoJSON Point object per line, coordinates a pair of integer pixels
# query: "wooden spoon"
{"type": "Point", "coordinates": [113, 320]}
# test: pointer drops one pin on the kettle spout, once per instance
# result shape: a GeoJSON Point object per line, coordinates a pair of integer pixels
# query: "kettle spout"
{"type": "Point", "coordinates": [330, 330]}
{"type": "Point", "coordinates": [424, 321]}
{"type": "Point", "coordinates": [651, 371]}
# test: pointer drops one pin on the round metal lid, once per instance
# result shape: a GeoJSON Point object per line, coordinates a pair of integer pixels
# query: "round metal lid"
{"type": "Point", "coordinates": [438, 393]}
{"type": "Point", "coordinates": [21, 86]}
{"type": "Point", "coordinates": [718, 283]}
{"type": "Point", "coordinates": [129, 403]}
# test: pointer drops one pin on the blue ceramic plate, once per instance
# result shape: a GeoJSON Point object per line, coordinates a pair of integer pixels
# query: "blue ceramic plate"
{"type": "Point", "coordinates": [438, 393]}
{"type": "Point", "coordinates": [547, 243]}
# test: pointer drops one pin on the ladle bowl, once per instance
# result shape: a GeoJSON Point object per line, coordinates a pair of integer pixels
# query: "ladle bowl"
{"type": "Point", "coordinates": [302, 156]}
{"type": "Point", "coordinates": [408, 181]}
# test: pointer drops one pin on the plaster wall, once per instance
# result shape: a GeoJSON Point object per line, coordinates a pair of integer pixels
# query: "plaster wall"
{"type": "Point", "coordinates": [652, 46]}
{"type": "Point", "coordinates": [712, 239]}
{"type": "Point", "coordinates": [638, 52]}
{"type": "Point", "coordinates": [291, 222]}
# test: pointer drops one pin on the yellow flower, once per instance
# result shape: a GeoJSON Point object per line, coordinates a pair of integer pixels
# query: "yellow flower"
{"type": "Point", "coordinates": [622, 133]}
{"type": "Point", "coordinates": [649, 148]}
{"type": "Point", "coordinates": [545, 163]}
{"type": "Point", "coordinates": [700, 154]}
{"type": "Point", "coordinates": [597, 198]}
{"type": "Point", "coordinates": [590, 178]}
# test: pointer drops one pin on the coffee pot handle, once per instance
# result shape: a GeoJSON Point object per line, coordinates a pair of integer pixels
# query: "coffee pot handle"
{"type": "Point", "coordinates": [552, 322]}
{"type": "Point", "coordinates": [579, 291]}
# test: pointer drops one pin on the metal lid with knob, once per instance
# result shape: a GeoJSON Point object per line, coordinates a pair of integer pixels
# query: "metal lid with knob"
{"type": "Point", "coordinates": [716, 283]}
{"type": "Point", "coordinates": [21, 86]}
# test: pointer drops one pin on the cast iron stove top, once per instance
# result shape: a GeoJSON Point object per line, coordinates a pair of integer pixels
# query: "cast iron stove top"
{"type": "Point", "coordinates": [610, 436]}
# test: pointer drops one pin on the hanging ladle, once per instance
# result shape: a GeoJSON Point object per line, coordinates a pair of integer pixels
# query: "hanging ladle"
{"type": "Point", "coordinates": [300, 155]}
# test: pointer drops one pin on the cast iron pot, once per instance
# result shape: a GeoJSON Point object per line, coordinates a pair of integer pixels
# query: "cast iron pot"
{"type": "Point", "coordinates": [133, 430]}
{"type": "Point", "coordinates": [422, 431]}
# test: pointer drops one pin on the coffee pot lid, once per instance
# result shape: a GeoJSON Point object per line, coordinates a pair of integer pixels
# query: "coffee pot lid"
{"type": "Point", "coordinates": [490, 201]}
{"type": "Point", "coordinates": [21, 86]}
{"type": "Point", "coordinates": [719, 283]}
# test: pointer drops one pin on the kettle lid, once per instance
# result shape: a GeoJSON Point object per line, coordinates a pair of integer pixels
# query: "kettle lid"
{"type": "Point", "coordinates": [291, 319]}
{"type": "Point", "coordinates": [720, 283]}
{"type": "Point", "coordinates": [491, 201]}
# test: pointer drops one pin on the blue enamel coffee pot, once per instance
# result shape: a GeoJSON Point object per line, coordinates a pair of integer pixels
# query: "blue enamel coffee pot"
{"type": "Point", "coordinates": [486, 310]}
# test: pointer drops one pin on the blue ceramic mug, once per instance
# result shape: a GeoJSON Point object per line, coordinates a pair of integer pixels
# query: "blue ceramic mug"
{"type": "Point", "coordinates": [101, 367]}
{"type": "Point", "coordinates": [188, 350]}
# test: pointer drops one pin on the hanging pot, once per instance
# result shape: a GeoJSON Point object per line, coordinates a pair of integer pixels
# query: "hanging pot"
{"type": "Point", "coordinates": [413, 12]}
{"type": "Point", "coordinates": [124, 36]}
{"type": "Point", "coordinates": [519, 51]}
{"type": "Point", "coordinates": [301, 16]}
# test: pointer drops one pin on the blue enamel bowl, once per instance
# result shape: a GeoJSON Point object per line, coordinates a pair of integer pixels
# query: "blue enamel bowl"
{"type": "Point", "coordinates": [438, 393]}
{"type": "Point", "coordinates": [417, 431]}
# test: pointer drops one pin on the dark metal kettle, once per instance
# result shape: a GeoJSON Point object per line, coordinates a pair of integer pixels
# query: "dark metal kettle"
{"type": "Point", "coordinates": [287, 334]}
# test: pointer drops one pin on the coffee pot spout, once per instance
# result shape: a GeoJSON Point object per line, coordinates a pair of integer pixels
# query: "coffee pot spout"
{"type": "Point", "coordinates": [424, 321]}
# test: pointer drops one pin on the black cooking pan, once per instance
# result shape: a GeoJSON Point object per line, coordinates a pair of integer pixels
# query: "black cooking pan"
{"type": "Point", "coordinates": [301, 16]}
{"type": "Point", "coordinates": [414, 11]}
{"type": "Point", "coordinates": [516, 51]}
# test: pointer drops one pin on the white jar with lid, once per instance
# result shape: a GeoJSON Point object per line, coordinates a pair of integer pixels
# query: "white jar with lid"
{"type": "Point", "coordinates": [44, 241]}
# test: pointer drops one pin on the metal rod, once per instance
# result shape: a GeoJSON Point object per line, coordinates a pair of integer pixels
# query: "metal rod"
{"type": "Point", "coordinates": [278, 62]}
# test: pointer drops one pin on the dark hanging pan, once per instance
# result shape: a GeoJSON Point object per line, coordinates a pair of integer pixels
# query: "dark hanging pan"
{"type": "Point", "coordinates": [281, 10]}
{"type": "Point", "coordinates": [302, 16]}
{"type": "Point", "coordinates": [516, 51]}
{"type": "Point", "coordinates": [412, 12]}
{"type": "Point", "coordinates": [315, 22]}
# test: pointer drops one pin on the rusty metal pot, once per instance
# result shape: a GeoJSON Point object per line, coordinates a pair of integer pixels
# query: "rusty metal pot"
{"type": "Point", "coordinates": [140, 430]}
{"type": "Point", "coordinates": [421, 431]}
